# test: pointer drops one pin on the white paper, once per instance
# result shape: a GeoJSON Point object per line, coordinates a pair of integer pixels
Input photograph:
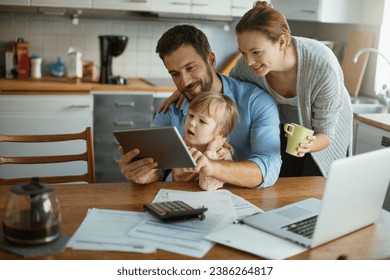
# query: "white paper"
{"type": "Point", "coordinates": [240, 208]}
{"type": "Point", "coordinates": [106, 230]}
{"type": "Point", "coordinates": [186, 237]}
{"type": "Point", "coordinates": [243, 207]}
{"type": "Point", "coordinates": [183, 237]}
{"type": "Point", "coordinates": [257, 242]}
{"type": "Point", "coordinates": [216, 202]}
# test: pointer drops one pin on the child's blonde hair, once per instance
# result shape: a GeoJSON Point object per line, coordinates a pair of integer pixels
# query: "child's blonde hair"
{"type": "Point", "coordinates": [220, 107]}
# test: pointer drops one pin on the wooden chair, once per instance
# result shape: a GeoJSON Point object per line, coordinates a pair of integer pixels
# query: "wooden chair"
{"type": "Point", "coordinates": [87, 156]}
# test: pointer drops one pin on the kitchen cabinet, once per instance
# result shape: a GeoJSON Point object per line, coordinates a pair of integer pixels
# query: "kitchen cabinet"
{"type": "Point", "coordinates": [369, 138]}
{"type": "Point", "coordinates": [117, 111]}
{"type": "Point", "coordinates": [206, 7]}
{"type": "Point", "coordinates": [373, 133]}
{"type": "Point", "coordinates": [240, 7]}
{"type": "Point", "coordinates": [129, 5]}
{"type": "Point", "coordinates": [15, 2]}
{"type": "Point", "coordinates": [330, 11]}
{"type": "Point", "coordinates": [43, 114]}
{"type": "Point", "coordinates": [193, 7]}
{"type": "Point", "coordinates": [171, 6]}
{"type": "Point", "coordinates": [62, 3]}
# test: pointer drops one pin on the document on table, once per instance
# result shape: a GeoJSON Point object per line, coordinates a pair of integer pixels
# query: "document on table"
{"type": "Point", "coordinates": [188, 237]}
{"type": "Point", "coordinates": [115, 230]}
{"type": "Point", "coordinates": [106, 230]}
{"type": "Point", "coordinates": [241, 207]}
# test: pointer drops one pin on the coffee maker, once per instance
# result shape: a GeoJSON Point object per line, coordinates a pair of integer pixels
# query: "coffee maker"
{"type": "Point", "coordinates": [110, 46]}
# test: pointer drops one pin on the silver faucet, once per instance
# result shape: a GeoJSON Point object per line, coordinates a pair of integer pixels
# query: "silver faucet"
{"type": "Point", "coordinates": [384, 94]}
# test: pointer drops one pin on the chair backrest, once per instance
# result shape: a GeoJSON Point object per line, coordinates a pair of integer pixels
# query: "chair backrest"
{"type": "Point", "coordinates": [87, 156]}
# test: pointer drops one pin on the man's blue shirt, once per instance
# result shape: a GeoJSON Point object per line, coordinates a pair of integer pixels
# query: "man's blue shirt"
{"type": "Point", "coordinates": [256, 134]}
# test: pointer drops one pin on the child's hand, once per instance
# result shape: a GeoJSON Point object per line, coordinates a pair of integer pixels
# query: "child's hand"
{"type": "Point", "coordinates": [203, 164]}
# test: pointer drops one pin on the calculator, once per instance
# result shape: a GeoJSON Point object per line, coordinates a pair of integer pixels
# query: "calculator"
{"type": "Point", "coordinates": [174, 210]}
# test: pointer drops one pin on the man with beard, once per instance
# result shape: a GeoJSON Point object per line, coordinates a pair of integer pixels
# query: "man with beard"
{"type": "Point", "coordinates": [187, 55]}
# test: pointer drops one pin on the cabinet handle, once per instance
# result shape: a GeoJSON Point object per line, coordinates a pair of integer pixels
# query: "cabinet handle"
{"type": "Point", "coordinates": [125, 104]}
{"type": "Point", "coordinates": [180, 4]}
{"type": "Point", "coordinates": [309, 11]}
{"type": "Point", "coordinates": [199, 4]}
{"type": "Point", "coordinates": [137, 1]}
{"type": "Point", "coordinates": [124, 123]}
{"type": "Point", "coordinates": [83, 106]}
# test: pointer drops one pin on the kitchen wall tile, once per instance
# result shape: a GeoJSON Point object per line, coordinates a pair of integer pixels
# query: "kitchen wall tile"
{"type": "Point", "coordinates": [51, 36]}
{"type": "Point", "coordinates": [36, 26]}
{"type": "Point", "coordinates": [49, 41]}
{"type": "Point", "coordinates": [36, 44]}
{"type": "Point", "coordinates": [63, 27]}
{"type": "Point", "coordinates": [105, 27]}
{"type": "Point", "coordinates": [49, 25]}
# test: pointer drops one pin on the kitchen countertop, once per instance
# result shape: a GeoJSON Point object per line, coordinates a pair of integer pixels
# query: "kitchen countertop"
{"type": "Point", "coordinates": [62, 85]}
{"type": "Point", "coordinates": [378, 120]}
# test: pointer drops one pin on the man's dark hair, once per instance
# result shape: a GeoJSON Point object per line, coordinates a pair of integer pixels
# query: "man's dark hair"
{"type": "Point", "coordinates": [180, 35]}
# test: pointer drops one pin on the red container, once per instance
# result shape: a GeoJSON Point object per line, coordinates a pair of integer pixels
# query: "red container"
{"type": "Point", "coordinates": [22, 59]}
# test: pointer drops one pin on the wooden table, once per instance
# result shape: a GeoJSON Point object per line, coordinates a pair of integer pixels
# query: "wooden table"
{"type": "Point", "coordinates": [372, 242]}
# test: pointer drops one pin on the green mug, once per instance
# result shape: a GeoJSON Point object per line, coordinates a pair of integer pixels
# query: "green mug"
{"type": "Point", "coordinates": [296, 134]}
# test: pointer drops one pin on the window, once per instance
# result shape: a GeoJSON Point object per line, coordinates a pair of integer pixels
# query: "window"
{"type": "Point", "coordinates": [382, 75]}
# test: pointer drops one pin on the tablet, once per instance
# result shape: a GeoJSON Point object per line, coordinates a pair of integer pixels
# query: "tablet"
{"type": "Point", "coordinates": [164, 144]}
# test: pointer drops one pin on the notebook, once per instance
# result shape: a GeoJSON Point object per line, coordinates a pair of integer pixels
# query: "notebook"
{"type": "Point", "coordinates": [163, 144]}
{"type": "Point", "coordinates": [353, 198]}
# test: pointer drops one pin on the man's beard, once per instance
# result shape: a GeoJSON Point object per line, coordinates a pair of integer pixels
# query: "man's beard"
{"type": "Point", "coordinates": [205, 83]}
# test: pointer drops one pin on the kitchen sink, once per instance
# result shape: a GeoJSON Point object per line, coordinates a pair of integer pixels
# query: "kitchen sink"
{"type": "Point", "coordinates": [369, 108]}
{"type": "Point", "coordinates": [367, 105]}
{"type": "Point", "coordinates": [364, 100]}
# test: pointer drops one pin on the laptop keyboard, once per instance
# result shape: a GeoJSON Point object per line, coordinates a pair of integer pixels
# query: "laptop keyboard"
{"type": "Point", "coordinates": [304, 227]}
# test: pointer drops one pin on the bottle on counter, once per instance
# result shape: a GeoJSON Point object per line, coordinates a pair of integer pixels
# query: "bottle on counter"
{"type": "Point", "coordinates": [36, 62]}
{"type": "Point", "coordinates": [10, 63]}
{"type": "Point", "coordinates": [58, 69]}
{"type": "Point", "coordinates": [75, 64]}
{"type": "Point", "coordinates": [22, 58]}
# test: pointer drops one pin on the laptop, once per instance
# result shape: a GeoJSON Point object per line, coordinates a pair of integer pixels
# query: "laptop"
{"type": "Point", "coordinates": [164, 144]}
{"type": "Point", "coordinates": [353, 198]}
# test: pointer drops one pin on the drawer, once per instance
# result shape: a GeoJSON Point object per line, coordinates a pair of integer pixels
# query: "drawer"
{"type": "Point", "coordinates": [107, 125]}
{"type": "Point", "coordinates": [44, 123]}
{"type": "Point", "coordinates": [124, 103]}
{"type": "Point", "coordinates": [298, 10]}
{"type": "Point", "coordinates": [41, 103]}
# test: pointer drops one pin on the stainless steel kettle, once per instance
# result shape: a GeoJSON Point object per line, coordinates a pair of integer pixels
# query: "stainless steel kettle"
{"type": "Point", "coordinates": [32, 214]}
